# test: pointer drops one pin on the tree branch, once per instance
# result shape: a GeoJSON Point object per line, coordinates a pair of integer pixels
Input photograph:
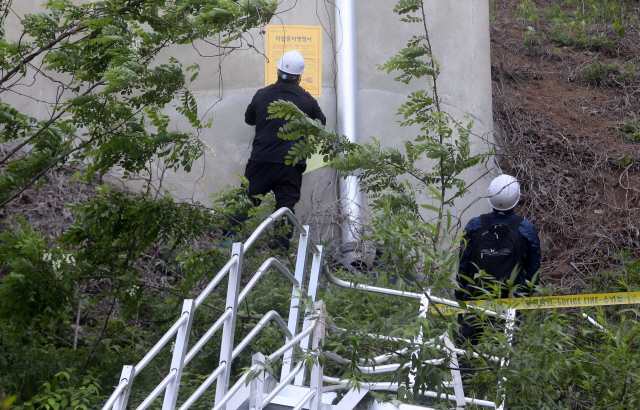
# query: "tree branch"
{"type": "Point", "coordinates": [41, 50]}
{"type": "Point", "coordinates": [43, 128]}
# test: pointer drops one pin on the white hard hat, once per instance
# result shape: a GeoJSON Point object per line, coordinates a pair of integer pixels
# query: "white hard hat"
{"type": "Point", "coordinates": [291, 62]}
{"type": "Point", "coordinates": [504, 192]}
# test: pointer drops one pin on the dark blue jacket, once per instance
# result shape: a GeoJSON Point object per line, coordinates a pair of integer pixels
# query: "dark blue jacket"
{"type": "Point", "coordinates": [531, 255]}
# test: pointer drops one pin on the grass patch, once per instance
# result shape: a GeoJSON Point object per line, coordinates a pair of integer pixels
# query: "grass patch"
{"type": "Point", "coordinates": [574, 34]}
{"type": "Point", "coordinates": [612, 74]}
{"type": "Point", "coordinates": [630, 130]}
{"type": "Point", "coordinates": [534, 39]}
{"type": "Point", "coordinates": [569, 22]}
{"type": "Point", "coordinates": [589, 11]}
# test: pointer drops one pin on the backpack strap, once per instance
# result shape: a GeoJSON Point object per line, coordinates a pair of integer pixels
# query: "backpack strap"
{"type": "Point", "coordinates": [513, 224]}
{"type": "Point", "coordinates": [486, 220]}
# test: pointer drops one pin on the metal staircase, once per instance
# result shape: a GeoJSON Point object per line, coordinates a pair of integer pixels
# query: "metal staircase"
{"type": "Point", "coordinates": [292, 391]}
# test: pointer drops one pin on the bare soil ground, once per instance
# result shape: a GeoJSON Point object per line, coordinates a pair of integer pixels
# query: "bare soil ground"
{"type": "Point", "coordinates": [45, 207]}
{"type": "Point", "coordinates": [560, 137]}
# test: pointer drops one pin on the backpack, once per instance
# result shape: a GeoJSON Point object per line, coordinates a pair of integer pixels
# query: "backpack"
{"type": "Point", "coordinates": [497, 248]}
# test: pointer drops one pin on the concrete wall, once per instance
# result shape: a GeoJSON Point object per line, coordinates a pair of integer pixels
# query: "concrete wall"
{"type": "Point", "coordinates": [459, 32]}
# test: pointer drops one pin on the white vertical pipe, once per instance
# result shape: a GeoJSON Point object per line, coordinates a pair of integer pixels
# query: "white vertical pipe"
{"type": "Point", "coordinates": [347, 107]}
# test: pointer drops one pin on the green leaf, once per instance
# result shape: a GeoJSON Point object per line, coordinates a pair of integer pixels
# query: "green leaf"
{"type": "Point", "coordinates": [625, 161]}
{"type": "Point", "coordinates": [618, 27]}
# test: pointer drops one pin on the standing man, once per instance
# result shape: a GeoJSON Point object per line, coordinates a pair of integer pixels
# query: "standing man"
{"type": "Point", "coordinates": [266, 169]}
{"type": "Point", "coordinates": [502, 244]}
{"type": "Point", "coordinates": [499, 243]}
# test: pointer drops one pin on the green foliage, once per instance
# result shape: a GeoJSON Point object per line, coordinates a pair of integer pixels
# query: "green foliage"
{"type": "Point", "coordinates": [528, 11]}
{"type": "Point", "coordinates": [129, 225]}
{"type": "Point", "coordinates": [50, 148]}
{"type": "Point", "coordinates": [569, 24]}
{"type": "Point", "coordinates": [603, 11]}
{"type": "Point", "coordinates": [625, 278]}
{"type": "Point", "coordinates": [109, 54]}
{"type": "Point", "coordinates": [589, 11]}
{"type": "Point", "coordinates": [574, 33]}
{"type": "Point", "coordinates": [129, 260]}
{"type": "Point", "coordinates": [533, 38]}
{"type": "Point", "coordinates": [630, 130]}
{"type": "Point", "coordinates": [610, 74]}
{"type": "Point", "coordinates": [36, 289]}
{"type": "Point", "coordinates": [67, 391]}
{"type": "Point", "coordinates": [233, 201]}
{"type": "Point", "coordinates": [559, 361]}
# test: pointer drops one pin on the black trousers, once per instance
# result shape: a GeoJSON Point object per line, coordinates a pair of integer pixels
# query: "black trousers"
{"type": "Point", "coordinates": [284, 180]}
{"type": "Point", "coordinates": [471, 329]}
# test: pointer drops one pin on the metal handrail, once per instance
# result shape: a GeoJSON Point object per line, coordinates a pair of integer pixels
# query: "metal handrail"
{"type": "Point", "coordinates": [284, 211]}
{"type": "Point", "coordinates": [236, 387]}
{"type": "Point", "coordinates": [235, 259]}
{"type": "Point", "coordinates": [205, 338]}
{"type": "Point", "coordinates": [158, 346]}
{"type": "Point", "coordinates": [387, 368]}
{"type": "Point", "coordinates": [294, 341]}
{"type": "Point", "coordinates": [283, 383]}
{"type": "Point", "coordinates": [159, 388]}
{"type": "Point", "coordinates": [261, 271]}
{"type": "Point", "coordinates": [204, 386]}
{"type": "Point", "coordinates": [395, 292]}
{"type": "Point", "coordinates": [115, 394]}
{"type": "Point", "coordinates": [221, 274]}
{"type": "Point", "coordinates": [383, 358]}
{"type": "Point", "coordinates": [272, 315]}
{"type": "Point", "coordinates": [388, 386]}
{"type": "Point", "coordinates": [305, 399]}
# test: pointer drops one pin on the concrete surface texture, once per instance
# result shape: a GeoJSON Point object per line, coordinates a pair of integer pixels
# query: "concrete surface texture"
{"type": "Point", "coordinates": [459, 32]}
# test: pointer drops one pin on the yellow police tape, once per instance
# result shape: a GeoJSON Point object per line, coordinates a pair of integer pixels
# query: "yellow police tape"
{"type": "Point", "coordinates": [550, 302]}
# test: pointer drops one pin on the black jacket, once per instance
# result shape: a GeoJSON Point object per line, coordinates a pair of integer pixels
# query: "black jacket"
{"type": "Point", "coordinates": [267, 147]}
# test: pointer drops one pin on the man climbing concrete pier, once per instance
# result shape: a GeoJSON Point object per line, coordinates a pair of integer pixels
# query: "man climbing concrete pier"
{"type": "Point", "coordinates": [266, 169]}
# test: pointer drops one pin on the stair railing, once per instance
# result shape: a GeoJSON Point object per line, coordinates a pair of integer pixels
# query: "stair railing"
{"type": "Point", "coordinates": [181, 329]}
{"type": "Point", "coordinates": [443, 343]}
{"type": "Point", "coordinates": [293, 341]}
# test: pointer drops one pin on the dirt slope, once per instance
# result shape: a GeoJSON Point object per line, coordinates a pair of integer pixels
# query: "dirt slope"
{"type": "Point", "coordinates": [559, 109]}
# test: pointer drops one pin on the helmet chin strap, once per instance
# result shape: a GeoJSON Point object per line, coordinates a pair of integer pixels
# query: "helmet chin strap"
{"type": "Point", "coordinates": [292, 77]}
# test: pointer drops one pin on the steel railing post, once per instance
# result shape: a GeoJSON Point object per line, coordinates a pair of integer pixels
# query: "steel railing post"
{"type": "Point", "coordinates": [314, 278]}
{"type": "Point", "coordinates": [317, 369]}
{"type": "Point", "coordinates": [458, 388]}
{"type": "Point", "coordinates": [294, 311]}
{"type": "Point", "coordinates": [256, 389]}
{"type": "Point", "coordinates": [424, 309]}
{"type": "Point", "coordinates": [128, 373]}
{"type": "Point", "coordinates": [229, 329]}
{"type": "Point", "coordinates": [511, 321]}
{"type": "Point", "coordinates": [179, 353]}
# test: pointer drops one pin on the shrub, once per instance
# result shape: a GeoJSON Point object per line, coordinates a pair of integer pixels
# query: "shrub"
{"type": "Point", "coordinates": [630, 130]}
{"type": "Point", "coordinates": [528, 11]}
{"type": "Point", "coordinates": [533, 39]}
